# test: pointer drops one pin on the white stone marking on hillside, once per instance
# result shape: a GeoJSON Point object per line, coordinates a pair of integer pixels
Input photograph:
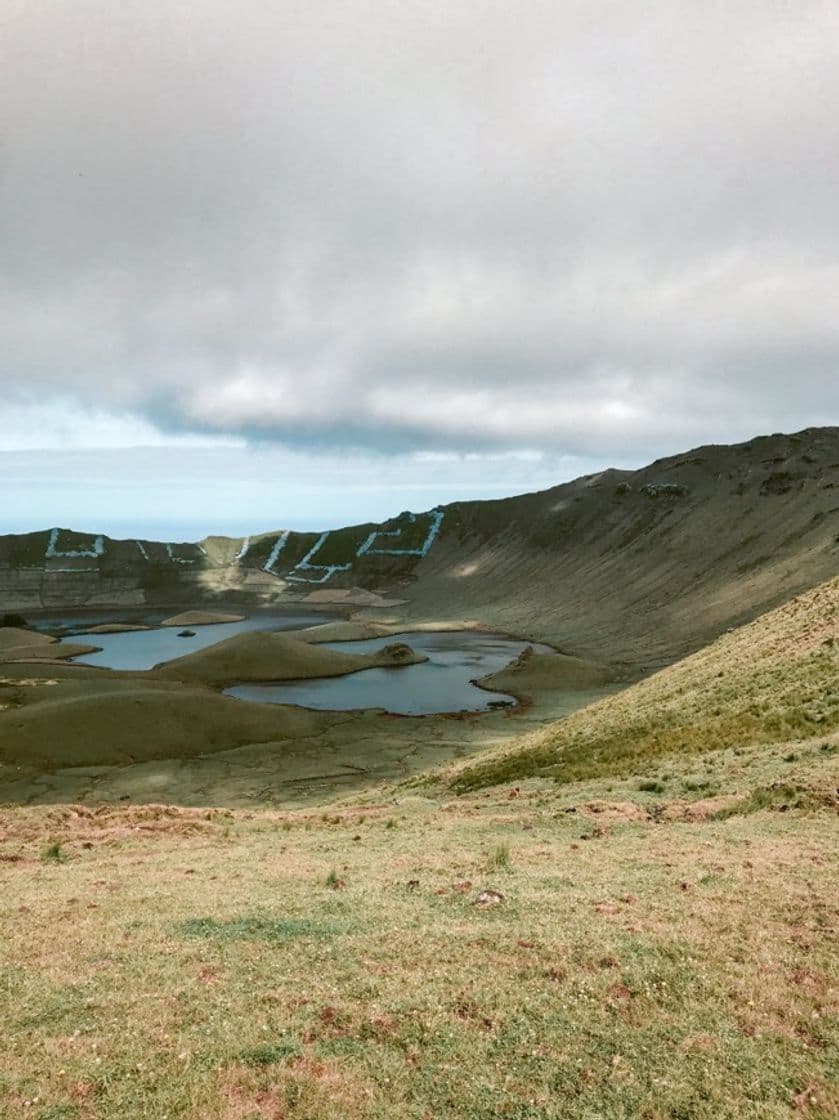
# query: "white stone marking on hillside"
{"type": "Point", "coordinates": [243, 551]}
{"type": "Point", "coordinates": [279, 545]}
{"type": "Point", "coordinates": [328, 570]}
{"type": "Point", "coordinates": [366, 548]}
{"type": "Point", "coordinates": [143, 552]}
{"type": "Point", "coordinates": [68, 571]}
{"type": "Point", "coordinates": [53, 551]}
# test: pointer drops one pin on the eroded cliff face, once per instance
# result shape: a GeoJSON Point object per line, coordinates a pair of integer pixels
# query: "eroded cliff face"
{"type": "Point", "coordinates": [636, 566]}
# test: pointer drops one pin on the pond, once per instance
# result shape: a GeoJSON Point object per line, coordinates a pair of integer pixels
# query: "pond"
{"type": "Point", "coordinates": [142, 649]}
{"type": "Point", "coordinates": [444, 683]}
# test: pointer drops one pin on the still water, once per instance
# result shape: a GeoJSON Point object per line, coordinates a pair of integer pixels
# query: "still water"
{"type": "Point", "coordinates": [142, 649]}
{"type": "Point", "coordinates": [441, 684]}
{"type": "Point", "coordinates": [444, 683]}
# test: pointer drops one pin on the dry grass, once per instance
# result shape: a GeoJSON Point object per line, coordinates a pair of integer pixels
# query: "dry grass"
{"type": "Point", "coordinates": [649, 959]}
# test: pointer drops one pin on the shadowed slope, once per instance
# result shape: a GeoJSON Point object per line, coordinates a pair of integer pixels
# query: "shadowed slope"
{"type": "Point", "coordinates": [648, 565]}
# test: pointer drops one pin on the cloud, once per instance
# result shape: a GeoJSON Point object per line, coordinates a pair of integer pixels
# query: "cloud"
{"type": "Point", "coordinates": [585, 227]}
{"type": "Point", "coordinates": [186, 492]}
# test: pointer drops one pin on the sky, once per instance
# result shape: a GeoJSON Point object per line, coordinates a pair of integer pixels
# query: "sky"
{"type": "Point", "coordinates": [309, 263]}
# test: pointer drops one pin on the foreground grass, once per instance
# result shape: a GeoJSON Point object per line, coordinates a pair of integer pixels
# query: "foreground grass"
{"type": "Point", "coordinates": [776, 679]}
{"type": "Point", "coordinates": [660, 953]}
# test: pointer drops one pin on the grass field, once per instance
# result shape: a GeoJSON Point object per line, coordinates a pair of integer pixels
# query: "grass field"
{"type": "Point", "coordinates": [655, 955]}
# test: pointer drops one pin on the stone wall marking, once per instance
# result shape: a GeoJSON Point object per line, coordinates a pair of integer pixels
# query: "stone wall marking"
{"type": "Point", "coordinates": [367, 549]}
{"type": "Point", "coordinates": [328, 570]}
{"type": "Point", "coordinates": [279, 545]}
{"type": "Point", "coordinates": [304, 571]}
{"type": "Point", "coordinates": [54, 552]}
{"type": "Point", "coordinates": [67, 571]}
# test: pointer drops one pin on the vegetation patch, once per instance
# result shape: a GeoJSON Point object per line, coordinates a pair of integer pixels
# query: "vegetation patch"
{"type": "Point", "coordinates": [54, 853]}
{"type": "Point", "coordinates": [252, 928]}
{"type": "Point", "coordinates": [271, 1052]}
{"type": "Point", "coordinates": [500, 859]}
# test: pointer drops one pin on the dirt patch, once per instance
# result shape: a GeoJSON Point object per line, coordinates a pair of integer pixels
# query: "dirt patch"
{"type": "Point", "coordinates": [614, 811]}
{"type": "Point", "coordinates": [701, 810]}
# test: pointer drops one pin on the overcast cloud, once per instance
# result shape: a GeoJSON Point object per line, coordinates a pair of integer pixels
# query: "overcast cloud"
{"type": "Point", "coordinates": [587, 228]}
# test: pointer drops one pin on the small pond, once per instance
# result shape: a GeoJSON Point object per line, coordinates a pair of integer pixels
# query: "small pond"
{"type": "Point", "coordinates": [142, 649]}
{"type": "Point", "coordinates": [441, 684]}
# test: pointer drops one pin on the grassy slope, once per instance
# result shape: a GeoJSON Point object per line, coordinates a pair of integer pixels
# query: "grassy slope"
{"type": "Point", "coordinates": [773, 680]}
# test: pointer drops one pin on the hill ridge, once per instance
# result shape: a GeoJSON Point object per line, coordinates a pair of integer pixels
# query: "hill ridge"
{"type": "Point", "coordinates": [628, 566]}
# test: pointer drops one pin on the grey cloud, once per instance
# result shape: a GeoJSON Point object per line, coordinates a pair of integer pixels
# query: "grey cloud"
{"type": "Point", "coordinates": [405, 225]}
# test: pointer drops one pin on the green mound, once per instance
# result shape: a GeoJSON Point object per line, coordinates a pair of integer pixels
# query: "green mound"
{"type": "Point", "coordinates": [533, 672]}
{"type": "Point", "coordinates": [15, 638]}
{"type": "Point", "coordinates": [266, 656]}
{"type": "Point", "coordinates": [28, 645]}
{"type": "Point", "coordinates": [99, 722]}
{"type": "Point", "coordinates": [344, 632]}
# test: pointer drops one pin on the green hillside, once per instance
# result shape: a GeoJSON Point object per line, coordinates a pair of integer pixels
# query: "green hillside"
{"type": "Point", "coordinates": [776, 679]}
